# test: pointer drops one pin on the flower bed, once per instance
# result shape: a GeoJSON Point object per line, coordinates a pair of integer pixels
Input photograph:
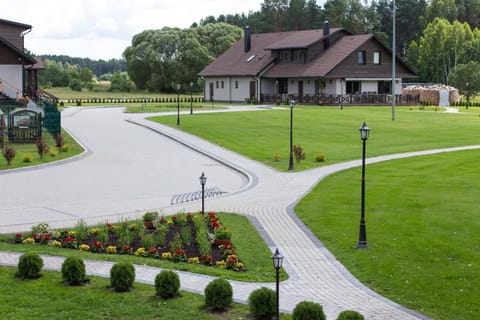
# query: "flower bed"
{"type": "Point", "coordinates": [185, 238]}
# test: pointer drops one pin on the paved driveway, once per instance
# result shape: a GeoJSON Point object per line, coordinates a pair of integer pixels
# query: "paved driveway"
{"type": "Point", "coordinates": [126, 170]}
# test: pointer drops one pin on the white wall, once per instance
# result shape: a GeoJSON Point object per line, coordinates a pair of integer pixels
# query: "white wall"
{"type": "Point", "coordinates": [228, 93]}
{"type": "Point", "coordinates": [11, 77]}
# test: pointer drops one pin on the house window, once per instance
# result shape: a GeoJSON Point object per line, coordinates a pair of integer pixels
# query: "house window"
{"type": "Point", "coordinates": [222, 84]}
{"type": "Point", "coordinates": [216, 84]}
{"type": "Point", "coordinates": [376, 57]}
{"type": "Point", "coordinates": [286, 55]}
{"type": "Point", "coordinates": [236, 84]}
{"type": "Point", "coordinates": [384, 87]}
{"type": "Point", "coordinates": [352, 87]}
{"type": "Point", "coordinates": [282, 86]}
{"type": "Point", "coordinates": [362, 57]}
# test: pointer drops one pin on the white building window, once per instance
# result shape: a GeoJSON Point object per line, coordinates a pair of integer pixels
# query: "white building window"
{"type": "Point", "coordinates": [362, 57]}
{"type": "Point", "coordinates": [236, 84]}
{"type": "Point", "coordinates": [376, 57]}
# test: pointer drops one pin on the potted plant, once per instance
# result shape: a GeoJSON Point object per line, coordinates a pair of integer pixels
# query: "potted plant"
{"type": "Point", "coordinates": [148, 218]}
{"type": "Point", "coordinates": [222, 235]}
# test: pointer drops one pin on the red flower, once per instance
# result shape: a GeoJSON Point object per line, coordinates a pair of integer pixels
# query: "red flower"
{"type": "Point", "coordinates": [69, 239]}
{"type": "Point", "coordinates": [97, 244]}
{"type": "Point", "coordinates": [211, 214]}
{"type": "Point", "coordinates": [127, 248]}
{"type": "Point", "coordinates": [19, 235]}
{"type": "Point", "coordinates": [153, 250]}
{"type": "Point", "coordinates": [179, 252]}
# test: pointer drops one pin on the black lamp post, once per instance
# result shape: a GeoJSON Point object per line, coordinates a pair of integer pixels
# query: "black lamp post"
{"type": "Point", "coordinates": [191, 101]}
{"type": "Point", "coordinates": [362, 237]}
{"type": "Point", "coordinates": [290, 160]}
{"type": "Point", "coordinates": [277, 259]}
{"type": "Point", "coordinates": [178, 104]}
{"type": "Point", "coordinates": [203, 181]}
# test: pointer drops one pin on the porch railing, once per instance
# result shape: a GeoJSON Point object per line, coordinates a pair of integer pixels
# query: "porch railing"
{"type": "Point", "coordinates": [337, 99]}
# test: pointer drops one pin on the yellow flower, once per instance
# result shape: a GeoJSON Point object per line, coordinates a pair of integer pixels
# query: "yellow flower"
{"type": "Point", "coordinates": [94, 231]}
{"type": "Point", "coordinates": [112, 249]}
{"type": "Point", "coordinates": [193, 260]}
{"type": "Point", "coordinates": [72, 233]}
{"type": "Point", "coordinates": [28, 240]}
{"type": "Point", "coordinates": [84, 247]}
{"type": "Point", "coordinates": [56, 244]}
{"type": "Point", "coordinates": [140, 252]}
{"type": "Point", "coordinates": [221, 264]}
{"type": "Point", "coordinates": [167, 255]}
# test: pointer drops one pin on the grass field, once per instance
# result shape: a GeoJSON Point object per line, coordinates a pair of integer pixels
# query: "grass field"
{"type": "Point", "coordinates": [262, 134]}
{"type": "Point", "coordinates": [48, 298]}
{"type": "Point", "coordinates": [422, 229]}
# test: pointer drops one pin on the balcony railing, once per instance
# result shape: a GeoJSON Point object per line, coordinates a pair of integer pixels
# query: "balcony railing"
{"type": "Point", "coordinates": [347, 99]}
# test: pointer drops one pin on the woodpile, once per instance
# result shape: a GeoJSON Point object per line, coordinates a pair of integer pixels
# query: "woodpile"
{"type": "Point", "coordinates": [432, 93]}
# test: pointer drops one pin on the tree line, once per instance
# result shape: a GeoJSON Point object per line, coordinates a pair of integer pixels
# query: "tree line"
{"type": "Point", "coordinates": [433, 37]}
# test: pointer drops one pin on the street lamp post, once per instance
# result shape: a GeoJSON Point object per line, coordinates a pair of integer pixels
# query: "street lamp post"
{"type": "Point", "coordinates": [203, 181]}
{"type": "Point", "coordinates": [290, 160]}
{"type": "Point", "coordinates": [277, 259]}
{"type": "Point", "coordinates": [191, 101]}
{"type": "Point", "coordinates": [178, 104]}
{"type": "Point", "coordinates": [362, 237]}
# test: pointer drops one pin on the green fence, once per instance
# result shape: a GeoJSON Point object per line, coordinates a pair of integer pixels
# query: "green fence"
{"type": "Point", "coordinates": [52, 120]}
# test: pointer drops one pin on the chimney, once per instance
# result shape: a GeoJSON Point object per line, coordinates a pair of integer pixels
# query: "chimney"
{"type": "Point", "coordinates": [248, 39]}
{"type": "Point", "coordinates": [326, 33]}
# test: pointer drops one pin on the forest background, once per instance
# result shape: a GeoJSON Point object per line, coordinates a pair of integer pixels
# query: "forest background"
{"type": "Point", "coordinates": [438, 39]}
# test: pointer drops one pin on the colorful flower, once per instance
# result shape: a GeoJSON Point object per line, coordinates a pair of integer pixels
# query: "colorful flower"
{"type": "Point", "coordinates": [112, 250]}
{"type": "Point", "coordinates": [28, 240]}
{"type": "Point", "coordinates": [56, 244]}
{"type": "Point", "coordinates": [167, 255]}
{"type": "Point", "coordinates": [84, 247]}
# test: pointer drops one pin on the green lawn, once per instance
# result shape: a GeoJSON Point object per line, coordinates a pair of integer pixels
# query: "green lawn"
{"type": "Point", "coordinates": [48, 298]}
{"type": "Point", "coordinates": [422, 229]}
{"type": "Point", "coordinates": [262, 134]}
{"type": "Point", "coordinates": [31, 148]}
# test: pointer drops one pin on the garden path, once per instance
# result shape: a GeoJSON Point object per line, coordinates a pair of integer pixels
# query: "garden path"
{"type": "Point", "coordinates": [265, 195]}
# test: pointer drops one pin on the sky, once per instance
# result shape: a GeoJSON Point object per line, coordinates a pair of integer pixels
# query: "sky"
{"type": "Point", "coordinates": [102, 29]}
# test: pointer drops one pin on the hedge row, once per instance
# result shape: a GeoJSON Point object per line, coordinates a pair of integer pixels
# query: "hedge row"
{"type": "Point", "coordinates": [135, 100]}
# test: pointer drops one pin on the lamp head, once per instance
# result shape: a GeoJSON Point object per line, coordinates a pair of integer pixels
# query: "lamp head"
{"type": "Point", "coordinates": [277, 259]}
{"type": "Point", "coordinates": [364, 132]}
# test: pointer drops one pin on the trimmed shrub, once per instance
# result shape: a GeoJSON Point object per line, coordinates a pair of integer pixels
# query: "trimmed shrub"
{"type": "Point", "coordinates": [262, 304]}
{"type": "Point", "coordinates": [122, 276]}
{"type": "Point", "coordinates": [73, 271]}
{"type": "Point", "coordinates": [167, 284]}
{"type": "Point", "coordinates": [350, 315]}
{"type": "Point", "coordinates": [27, 157]}
{"type": "Point", "coordinates": [306, 310]}
{"type": "Point", "coordinates": [52, 152]}
{"type": "Point", "coordinates": [320, 157]}
{"type": "Point", "coordinates": [65, 148]}
{"type": "Point", "coordinates": [42, 147]}
{"type": "Point", "coordinates": [218, 294]}
{"type": "Point", "coordinates": [9, 153]}
{"type": "Point", "coordinates": [299, 154]}
{"type": "Point", "coordinates": [29, 266]}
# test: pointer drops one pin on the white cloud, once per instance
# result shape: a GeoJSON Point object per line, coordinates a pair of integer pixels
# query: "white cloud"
{"type": "Point", "coordinates": [104, 28]}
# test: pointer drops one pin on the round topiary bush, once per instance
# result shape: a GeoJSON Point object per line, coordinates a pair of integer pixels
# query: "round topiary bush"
{"type": "Point", "coordinates": [29, 266]}
{"type": "Point", "coordinates": [73, 271]}
{"type": "Point", "coordinates": [122, 276]}
{"type": "Point", "coordinates": [350, 315]}
{"type": "Point", "coordinates": [167, 284]}
{"type": "Point", "coordinates": [218, 294]}
{"type": "Point", "coordinates": [306, 310]}
{"type": "Point", "coordinates": [262, 303]}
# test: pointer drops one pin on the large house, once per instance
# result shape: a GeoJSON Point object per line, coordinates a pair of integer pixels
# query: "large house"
{"type": "Point", "coordinates": [18, 70]}
{"type": "Point", "coordinates": [311, 66]}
